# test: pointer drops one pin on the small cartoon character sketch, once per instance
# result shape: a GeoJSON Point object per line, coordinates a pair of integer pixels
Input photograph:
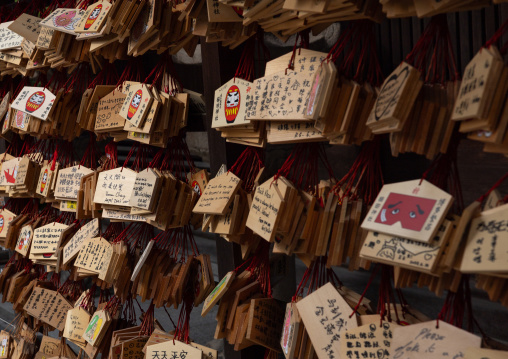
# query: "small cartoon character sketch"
{"type": "Point", "coordinates": [35, 101]}
{"type": "Point", "coordinates": [2, 222]}
{"type": "Point", "coordinates": [67, 20]}
{"type": "Point", "coordinates": [134, 105]}
{"type": "Point", "coordinates": [232, 103]}
{"type": "Point", "coordinates": [410, 211]}
{"type": "Point", "coordinates": [388, 250]}
{"type": "Point", "coordinates": [93, 16]}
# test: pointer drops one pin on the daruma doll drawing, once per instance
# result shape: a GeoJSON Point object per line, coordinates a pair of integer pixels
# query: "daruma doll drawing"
{"type": "Point", "coordinates": [232, 103]}
{"type": "Point", "coordinates": [134, 105]}
{"type": "Point", "coordinates": [35, 101]}
{"type": "Point", "coordinates": [93, 16]}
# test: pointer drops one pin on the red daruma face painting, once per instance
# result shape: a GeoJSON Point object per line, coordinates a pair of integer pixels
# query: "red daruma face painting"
{"type": "Point", "coordinates": [410, 211]}
{"type": "Point", "coordinates": [35, 101]}
{"type": "Point", "coordinates": [93, 16]}
{"type": "Point", "coordinates": [134, 105]}
{"type": "Point", "coordinates": [232, 103]}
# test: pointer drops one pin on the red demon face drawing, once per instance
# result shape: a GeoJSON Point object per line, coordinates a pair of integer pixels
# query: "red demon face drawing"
{"type": "Point", "coordinates": [35, 101]}
{"type": "Point", "coordinates": [93, 16]}
{"type": "Point", "coordinates": [410, 211]}
{"type": "Point", "coordinates": [232, 103]}
{"type": "Point", "coordinates": [134, 105]}
{"type": "Point", "coordinates": [44, 180]}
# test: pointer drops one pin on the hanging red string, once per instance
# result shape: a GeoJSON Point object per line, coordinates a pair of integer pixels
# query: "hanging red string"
{"type": "Point", "coordinates": [302, 166]}
{"type": "Point", "coordinates": [365, 178]}
{"type": "Point", "coordinates": [247, 167]}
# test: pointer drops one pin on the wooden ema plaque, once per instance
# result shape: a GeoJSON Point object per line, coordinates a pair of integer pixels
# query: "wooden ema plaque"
{"type": "Point", "coordinates": [136, 104]}
{"type": "Point", "coordinates": [425, 341]}
{"type": "Point", "coordinates": [72, 248]}
{"type": "Point", "coordinates": [75, 324]}
{"type": "Point", "coordinates": [95, 256]}
{"type": "Point", "coordinates": [97, 327]}
{"type": "Point", "coordinates": [325, 315]}
{"type": "Point", "coordinates": [6, 218]}
{"type": "Point", "coordinates": [218, 292]}
{"type": "Point", "coordinates": [173, 349]}
{"type": "Point", "coordinates": [94, 18]}
{"type": "Point", "coordinates": [368, 341]}
{"type": "Point", "coordinates": [46, 238]}
{"type": "Point", "coordinates": [231, 102]}
{"type": "Point", "coordinates": [24, 240]}
{"type": "Point", "coordinates": [265, 323]}
{"type": "Point", "coordinates": [480, 78]}
{"type": "Point", "coordinates": [486, 249]}
{"type": "Point", "coordinates": [413, 210]}
{"type": "Point", "coordinates": [64, 20]}
{"type": "Point", "coordinates": [27, 26]}
{"type": "Point", "coordinates": [68, 181]}
{"type": "Point", "coordinates": [218, 194]}
{"type": "Point", "coordinates": [264, 210]}
{"type": "Point", "coordinates": [48, 306]}
{"type": "Point", "coordinates": [406, 253]}
{"type": "Point", "coordinates": [8, 38]}
{"type": "Point", "coordinates": [34, 101]}
{"type": "Point", "coordinates": [114, 187]}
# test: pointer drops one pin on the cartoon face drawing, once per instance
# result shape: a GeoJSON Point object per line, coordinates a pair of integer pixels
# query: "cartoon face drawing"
{"type": "Point", "coordinates": [134, 105]}
{"type": "Point", "coordinates": [35, 101]}
{"type": "Point", "coordinates": [232, 103]}
{"type": "Point", "coordinates": [66, 20]}
{"type": "Point", "coordinates": [1, 223]}
{"type": "Point", "coordinates": [196, 188]}
{"type": "Point", "coordinates": [410, 211]}
{"type": "Point", "coordinates": [93, 16]}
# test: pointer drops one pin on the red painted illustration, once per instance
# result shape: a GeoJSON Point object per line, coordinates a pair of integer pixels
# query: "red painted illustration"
{"type": "Point", "coordinates": [44, 180]}
{"type": "Point", "coordinates": [410, 211]}
{"type": "Point", "coordinates": [93, 16]}
{"type": "Point", "coordinates": [232, 103]}
{"type": "Point", "coordinates": [35, 101]}
{"type": "Point", "coordinates": [134, 105]}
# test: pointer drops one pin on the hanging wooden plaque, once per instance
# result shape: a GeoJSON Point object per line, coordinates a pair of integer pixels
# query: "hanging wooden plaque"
{"type": "Point", "coordinates": [34, 101]}
{"type": "Point", "coordinates": [231, 103]}
{"type": "Point", "coordinates": [325, 315]}
{"type": "Point", "coordinates": [413, 210]}
{"type": "Point", "coordinates": [218, 194]}
{"type": "Point", "coordinates": [426, 341]}
{"type": "Point", "coordinates": [114, 187]}
{"type": "Point", "coordinates": [372, 340]}
{"type": "Point", "coordinates": [72, 248]}
{"type": "Point", "coordinates": [46, 238]}
{"type": "Point", "coordinates": [69, 180]}
{"type": "Point", "coordinates": [64, 20]}
{"type": "Point", "coordinates": [486, 249]}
